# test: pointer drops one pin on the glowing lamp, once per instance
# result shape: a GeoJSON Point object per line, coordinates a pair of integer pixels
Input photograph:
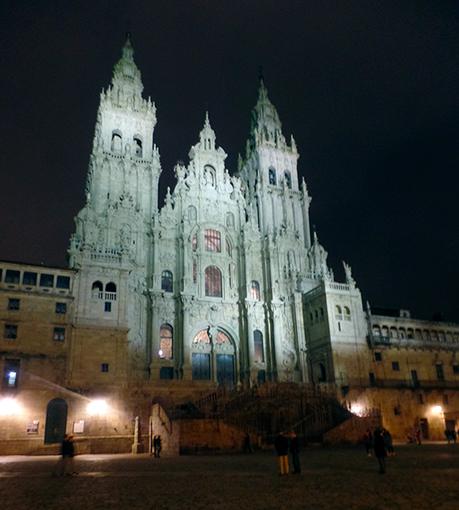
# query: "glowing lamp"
{"type": "Point", "coordinates": [437, 410]}
{"type": "Point", "coordinates": [98, 407]}
{"type": "Point", "coordinates": [9, 407]}
{"type": "Point", "coordinates": [358, 409]}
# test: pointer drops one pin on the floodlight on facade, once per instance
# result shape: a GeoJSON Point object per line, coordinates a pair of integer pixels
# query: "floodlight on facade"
{"type": "Point", "coordinates": [97, 407]}
{"type": "Point", "coordinates": [9, 407]}
{"type": "Point", "coordinates": [437, 410]}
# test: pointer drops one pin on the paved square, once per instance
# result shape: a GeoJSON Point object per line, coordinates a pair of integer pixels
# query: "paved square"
{"type": "Point", "coordinates": [419, 477]}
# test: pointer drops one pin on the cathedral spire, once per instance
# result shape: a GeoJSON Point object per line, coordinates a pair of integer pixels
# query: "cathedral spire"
{"type": "Point", "coordinates": [266, 127]}
{"type": "Point", "coordinates": [127, 84]}
{"type": "Point", "coordinates": [207, 135]}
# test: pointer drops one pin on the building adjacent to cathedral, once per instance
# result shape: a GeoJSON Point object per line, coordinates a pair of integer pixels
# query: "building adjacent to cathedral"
{"type": "Point", "coordinates": [222, 285]}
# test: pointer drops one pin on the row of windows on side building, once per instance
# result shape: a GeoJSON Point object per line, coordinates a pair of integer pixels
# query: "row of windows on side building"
{"type": "Point", "coordinates": [401, 333]}
{"type": "Point", "coordinates": [33, 279]}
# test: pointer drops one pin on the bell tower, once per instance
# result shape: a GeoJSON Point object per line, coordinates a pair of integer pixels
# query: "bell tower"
{"type": "Point", "coordinates": [111, 247]}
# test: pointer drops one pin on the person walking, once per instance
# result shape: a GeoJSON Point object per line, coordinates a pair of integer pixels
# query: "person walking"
{"type": "Point", "coordinates": [295, 452]}
{"type": "Point", "coordinates": [379, 447]}
{"type": "Point", "coordinates": [65, 466]}
{"type": "Point", "coordinates": [388, 442]}
{"type": "Point", "coordinates": [281, 447]}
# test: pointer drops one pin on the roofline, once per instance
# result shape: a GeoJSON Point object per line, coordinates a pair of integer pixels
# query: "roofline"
{"type": "Point", "coordinates": [43, 266]}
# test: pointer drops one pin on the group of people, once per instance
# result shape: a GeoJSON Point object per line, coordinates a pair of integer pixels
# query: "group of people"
{"type": "Point", "coordinates": [380, 442]}
{"type": "Point", "coordinates": [285, 443]}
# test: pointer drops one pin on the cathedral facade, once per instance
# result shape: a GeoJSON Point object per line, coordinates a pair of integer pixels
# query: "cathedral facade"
{"type": "Point", "coordinates": [222, 286]}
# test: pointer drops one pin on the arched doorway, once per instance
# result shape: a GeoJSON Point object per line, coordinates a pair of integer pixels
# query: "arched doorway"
{"type": "Point", "coordinates": [213, 357]}
{"type": "Point", "coordinates": [56, 421]}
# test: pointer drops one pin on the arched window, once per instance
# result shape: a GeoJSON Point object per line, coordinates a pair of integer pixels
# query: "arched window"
{"type": "Point", "coordinates": [138, 146]}
{"type": "Point", "coordinates": [166, 338]}
{"type": "Point", "coordinates": [213, 282]}
{"type": "Point", "coordinates": [272, 176]}
{"type": "Point", "coordinates": [97, 290]}
{"type": "Point", "coordinates": [347, 313]}
{"type": "Point", "coordinates": [402, 333]}
{"type": "Point", "coordinates": [385, 331]}
{"type": "Point", "coordinates": [213, 240]}
{"type": "Point", "coordinates": [192, 214]}
{"type": "Point", "coordinates": [194, 242]}
{"type": "Point", "coordinates": [288, 179]}
{"type": "Point", "coordinates": [393, 332]}
{"type": "Point", "coordinates": [230, 220]}
{"type": "Point", "coordinates": [167, 281]}
{"type": "Point", "coordinates": [316, 315]}
{"type": "Point", "coordinates": [338, 312]}
{"type": "Point", "coordinates": [376, 330]}
{"type": "Point", "coordinates": [258, 350]}
{"type": "Point", "coordinates": [195, 271]}
{"type": "Point", "coordinates": [321, 314]}
{"type": "Point", "coordinates": [255, 290]}
{"type": "Point", "coordinates": [210, 175]}
{"type": "Point", "coordinates": [110, 291]}
{"type": "Point", "coordinates": [410, 333]}
{"type": "Point", "coordinates": [117, 139]}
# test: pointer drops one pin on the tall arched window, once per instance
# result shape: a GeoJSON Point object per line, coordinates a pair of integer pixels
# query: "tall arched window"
{"type": "Point", "coordinates": [166, 339]}
{"type": "Point", "coordinates": [116, 145]}
{"type": "Point", "coordinates": [194, 242]}
{"type": "Point", "coordinates": [97, 290]}
{"type": "Point", "coordinates": [167, 281]}
{"type": "Point", "coordinates": [110, 291]}
{"type": "Point", "coordinates": [255, 290]}
{"type": "Point", "coordinates": [272, 176]}
{"type": "Point", "coordinates": [213, 281]}
{"type": "Point", "coordinates": [258, 350]}
{"type": "Point", "coordinates": [213, 240]}
{"type": "Point", "coordinates": [288, 179]}
{"type": "Point", "coordinates": [138, 150]}
{"type": "Point", "coordinates": [338, 312]}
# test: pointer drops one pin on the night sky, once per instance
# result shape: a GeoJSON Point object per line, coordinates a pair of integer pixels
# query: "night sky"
{"type": "Point", "coordinates": [369, 90]}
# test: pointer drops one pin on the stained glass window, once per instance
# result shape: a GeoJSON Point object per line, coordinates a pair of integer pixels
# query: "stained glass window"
{"type": "Point", "coordinates": [213, 281]}
{"type": "Point", "coordinates": [165, 341]}
{"type": "Point", "coordinates": [213, 240]}
{"type": "Point", "coordinates": [255, 290]}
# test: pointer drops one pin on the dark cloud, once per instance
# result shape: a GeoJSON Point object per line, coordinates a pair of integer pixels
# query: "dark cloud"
{"type": "Point", "coordinates": [369, 90]}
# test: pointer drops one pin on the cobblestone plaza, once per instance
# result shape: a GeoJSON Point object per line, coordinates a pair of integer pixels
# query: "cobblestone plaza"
{"type": "Point", "coordinates": [421, 477]}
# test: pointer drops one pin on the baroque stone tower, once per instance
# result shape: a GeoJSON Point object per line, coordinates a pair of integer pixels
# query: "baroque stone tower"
{"type": "Point", "coordinates": [111, 247]}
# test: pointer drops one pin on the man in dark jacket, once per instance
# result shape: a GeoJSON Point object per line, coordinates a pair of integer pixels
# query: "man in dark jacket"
{"type": "Point", "coordinates": [281, 447]}
{"type": "Point", "coordinates": [65, 464]}
{"type": "Point", "coordinates": [379, 446]}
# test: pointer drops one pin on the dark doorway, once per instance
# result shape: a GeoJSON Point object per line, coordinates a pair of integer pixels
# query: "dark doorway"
{"type": "Point", "coordinates": [56, 421]}
{"type": "Point", "coordinates": [200, 366]}
{"type": "Point", "coordinates": [225, 370]}
{"type": "Point", "coordinates": [424, 426]}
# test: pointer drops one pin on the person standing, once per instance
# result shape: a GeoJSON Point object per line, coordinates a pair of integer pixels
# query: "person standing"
{"type": "Point", "coordinates": [379, 447]}
{"type": "Point", "coordinates": [295, 452]}
{"type": "Point", "coordinates": [65, 465]}
{"type": "Point", "coordinates": [368, 441]}
{"type": "Point", "coordinates": [281, 447]}
{"type": "Point", "coordinates": [157, 446]}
